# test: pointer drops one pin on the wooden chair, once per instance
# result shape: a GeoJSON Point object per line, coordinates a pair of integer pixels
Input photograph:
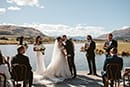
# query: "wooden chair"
{"type": "Point", "coordinates": [113, 74]}
{"type": "Point", "coordinates": [126, 78]}
{"type": "Point", "coordinates": [19, 72]}
{"type": "Point", "coordinates": [2, 80]}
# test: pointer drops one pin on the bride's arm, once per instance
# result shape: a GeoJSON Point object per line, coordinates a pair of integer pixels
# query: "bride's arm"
{"type": "Point", "coordinates": [64, 52]}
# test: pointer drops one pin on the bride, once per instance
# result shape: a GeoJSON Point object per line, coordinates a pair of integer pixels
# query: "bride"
{"type": "Point", "coordinates": [58, 69]}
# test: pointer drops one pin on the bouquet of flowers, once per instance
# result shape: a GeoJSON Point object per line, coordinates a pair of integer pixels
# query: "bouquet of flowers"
{"type": "Point", "coordinates": [82, 49]}
{"type": "Point", "coordinates": [42, 49]}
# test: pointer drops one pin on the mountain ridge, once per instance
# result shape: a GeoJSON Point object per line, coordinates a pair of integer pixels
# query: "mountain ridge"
{"type": "Point", "coordinates": [13, 31]}
{"type": "Point", "coordinates": [121, 34]}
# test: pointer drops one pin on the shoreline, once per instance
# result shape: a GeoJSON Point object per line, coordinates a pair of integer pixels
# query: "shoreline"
{"type": "Point", "coordinates": [123, 47]}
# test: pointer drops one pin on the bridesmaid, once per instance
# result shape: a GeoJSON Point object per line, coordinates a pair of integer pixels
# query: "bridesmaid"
{"type": "Point", "coordinates": [22, 42]}
{"type": "Point", "coordinates": [39, 48]}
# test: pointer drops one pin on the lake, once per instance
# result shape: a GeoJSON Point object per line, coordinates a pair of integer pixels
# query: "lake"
{"type": "Point", "coordinates": [80, 58]}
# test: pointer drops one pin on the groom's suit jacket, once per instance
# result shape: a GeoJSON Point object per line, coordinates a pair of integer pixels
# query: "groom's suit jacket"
{"type": "Point", "coordinates": [69, 46]}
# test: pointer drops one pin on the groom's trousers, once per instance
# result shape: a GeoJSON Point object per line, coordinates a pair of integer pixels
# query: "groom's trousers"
{"type": "Point", "coordinates": [72, 65]}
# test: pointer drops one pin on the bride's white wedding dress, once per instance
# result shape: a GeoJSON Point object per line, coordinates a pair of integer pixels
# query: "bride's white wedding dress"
{"type": "Point", "coordinates": [57, 70]}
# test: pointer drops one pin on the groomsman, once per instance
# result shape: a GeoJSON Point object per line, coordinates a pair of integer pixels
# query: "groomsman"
{"type": "Point", "coordinates": [69, 46]}
{"type": "Point", "coordinates": [90, 54]}
{"type": "Point", "coordinates": [109, 44]}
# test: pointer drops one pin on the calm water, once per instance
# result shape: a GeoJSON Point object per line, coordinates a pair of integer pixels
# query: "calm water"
{"type": "Point", "coordinates": [80, 59]}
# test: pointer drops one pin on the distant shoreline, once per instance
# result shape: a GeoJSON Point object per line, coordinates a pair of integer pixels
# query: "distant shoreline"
{"type": "Point", "coordinates": [123, 47]}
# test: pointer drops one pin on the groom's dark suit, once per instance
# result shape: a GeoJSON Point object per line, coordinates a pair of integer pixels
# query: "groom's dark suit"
{"type": "Point", "coordinates": [69, 46]}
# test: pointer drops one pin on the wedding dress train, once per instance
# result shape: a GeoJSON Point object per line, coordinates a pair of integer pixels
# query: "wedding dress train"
{"type": "Point", "coordinates": [57, 70]}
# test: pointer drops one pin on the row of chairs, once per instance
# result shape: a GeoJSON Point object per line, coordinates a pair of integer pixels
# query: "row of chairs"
{"type": "Point", "coordinates": [19, 72]}
{"type": "Point", "coordinates": [113, 73]}
{"type": "Point", "coordinates": [2, 80]}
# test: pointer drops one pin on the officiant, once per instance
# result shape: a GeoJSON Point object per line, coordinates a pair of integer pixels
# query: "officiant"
{"type": "Point", "coordinates": [90, 54]}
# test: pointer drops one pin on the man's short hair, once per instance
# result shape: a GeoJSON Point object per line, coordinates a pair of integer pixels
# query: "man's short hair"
{"type": "Point", "coordinates": [64, 36]}
{"type": "Point", "coordinates": [110, 34]}
{"type": "Point", "coordinates": [20, 49]}
{"type": "Point", "coordinates": [114, 49]}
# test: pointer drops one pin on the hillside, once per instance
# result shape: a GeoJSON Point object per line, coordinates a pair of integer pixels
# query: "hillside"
{"type": "Point", "coordinates": [16, 31]}
{"type": "Point", "coordinates": [9, 34]}
{"type": "Point", "coordinates": [122, 34]}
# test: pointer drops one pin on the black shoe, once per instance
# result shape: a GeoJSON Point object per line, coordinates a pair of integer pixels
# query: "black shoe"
{"type": "Point", "coordinates": [95, 74]}
{"type": "Point", "coordinates": [73, 77]}
{"type": "Point", "coordinates": [89, 74]}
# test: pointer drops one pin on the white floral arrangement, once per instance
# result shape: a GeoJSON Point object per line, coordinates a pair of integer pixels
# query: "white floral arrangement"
{"type": "Point", "coordinates": [83, 49]}
{"type": "Point", "coordinates": [42, 49]}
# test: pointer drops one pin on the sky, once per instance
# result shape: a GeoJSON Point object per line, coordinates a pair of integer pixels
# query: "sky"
{"type": "Point", "coordinates": [70, 17]}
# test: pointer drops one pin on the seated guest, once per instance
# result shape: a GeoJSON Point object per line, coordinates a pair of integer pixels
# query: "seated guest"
{"type": "Point", "coordinates": [113, 58]}
{"type": "Point", "coordinates": [20, 58]}
{"type": "Point", "coordinates": [4, 69]}
{"type": "Point", "coordinates": [5, 59]}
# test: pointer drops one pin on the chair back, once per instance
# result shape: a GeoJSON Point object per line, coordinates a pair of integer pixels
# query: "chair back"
{"type": "Point", "coordinates": [2, 80]}
{"type": "Point", "coordinates": [113, 71]}
{"type": "Point", "coordinates": [19, 72]}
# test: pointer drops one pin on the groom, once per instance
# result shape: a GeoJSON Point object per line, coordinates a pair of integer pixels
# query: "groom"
{"type": "Point", "coordinates": [69, 46]}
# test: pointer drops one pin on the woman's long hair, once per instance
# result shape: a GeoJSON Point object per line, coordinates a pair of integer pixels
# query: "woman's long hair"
{"type": "Point", "coordinates": [21, 40]}
{"type": "Point", "coordinates": [36, 41]}
{"type": "Point", "coordinates": [1, 58]}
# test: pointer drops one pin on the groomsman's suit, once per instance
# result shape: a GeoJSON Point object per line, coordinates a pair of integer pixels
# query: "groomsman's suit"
{"type": "Point", "coordinates": [90, 54]}
{"type": "Point", "coordinates": [109, 44]}
{"type": "Point", "coordinates": [112, 44]}
{"type": "Point", "coordinates": [69, 46]}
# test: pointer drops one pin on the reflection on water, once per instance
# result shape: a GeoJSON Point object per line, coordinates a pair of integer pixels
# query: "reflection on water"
{"type": "Point", "coordinates": [80, 59]}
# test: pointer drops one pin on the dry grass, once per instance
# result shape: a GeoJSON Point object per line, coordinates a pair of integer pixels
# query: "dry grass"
{"type": "Point", "coordinates": [8, 42]}
{"type": "Point", "coordinates": [122, 46]}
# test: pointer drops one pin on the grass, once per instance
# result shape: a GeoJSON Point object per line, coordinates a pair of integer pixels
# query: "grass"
{"type": "Point", "coordinates": [3, 42]}
{"type": "Point", "coordinates": [123, 47]}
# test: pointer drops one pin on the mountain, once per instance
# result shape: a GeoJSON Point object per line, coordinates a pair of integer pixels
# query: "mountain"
{"type": "Point", "coordinates": [16, 31]}
{"type": "Point", "coordinates": [79, 38]}
{"type": "Point", "coordinates": [122, 34]}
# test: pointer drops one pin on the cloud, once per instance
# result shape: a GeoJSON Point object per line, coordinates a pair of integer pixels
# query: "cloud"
{"type": "Point", "coordinates": [39, 6]}
{"type": "Point", "coordinates": [24, 2]}
{"type": "Point", "coordinates": [2, 10]}
{"type": "Point", "coordinates": [72, 31]}
{"type": "Point", "coordinates": [20, 3]}
{"type": "Point", "coordinates": [124, 27]}
{"type": "Point", "coordinates": [13, 8]}
{"type": "Point", "coordinates": [59, 29]}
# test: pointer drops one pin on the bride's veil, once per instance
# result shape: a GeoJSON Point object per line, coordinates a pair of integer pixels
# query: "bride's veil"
{"type": "Point", "coordinates": [55, 55]}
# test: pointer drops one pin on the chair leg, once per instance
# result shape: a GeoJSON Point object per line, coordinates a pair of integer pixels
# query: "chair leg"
{"type": "Point", "coordinates": [106, 84]}
{"type": "Point", "coordinates": [115, 82]}
{"type": "Point", "coordinates": [118, 83]}
{"type": "Point", "coordinates": [123, 81]}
